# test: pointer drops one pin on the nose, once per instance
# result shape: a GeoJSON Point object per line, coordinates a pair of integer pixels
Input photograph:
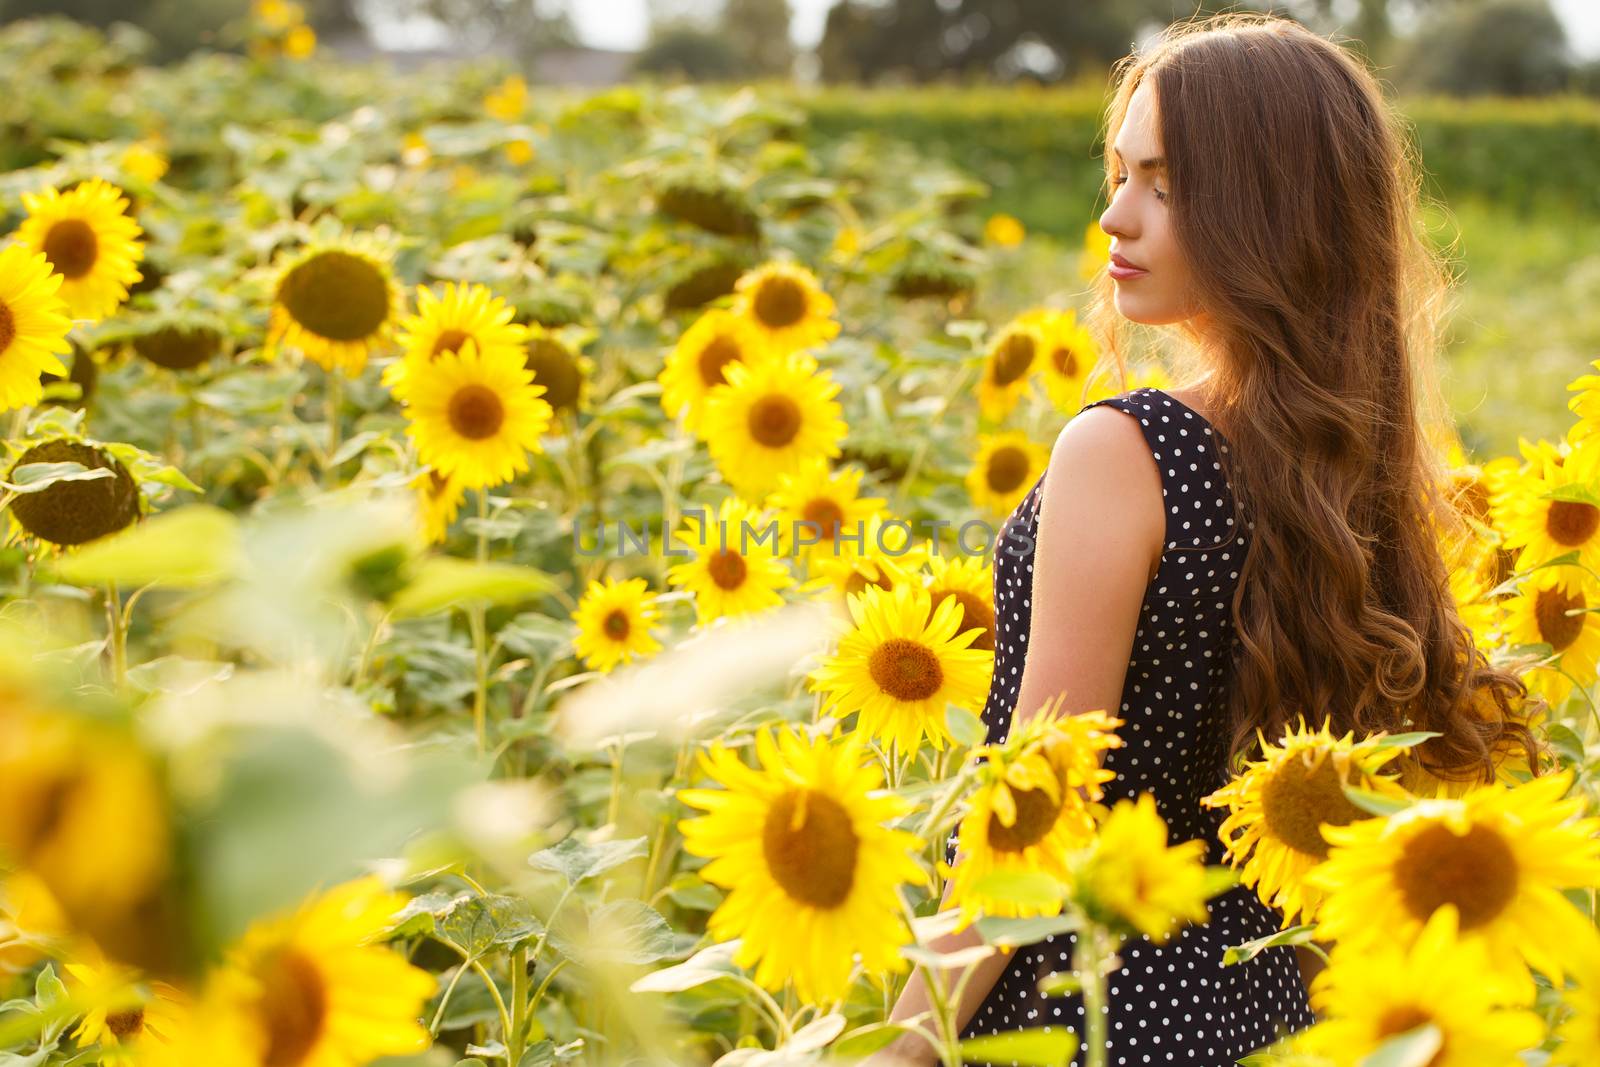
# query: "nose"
{"type": "Point", "coordinates": [1117, 218]}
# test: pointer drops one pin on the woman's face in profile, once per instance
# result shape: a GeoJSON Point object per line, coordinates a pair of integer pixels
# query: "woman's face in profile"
{"type": "Point", "coordinates": [1139, 219]}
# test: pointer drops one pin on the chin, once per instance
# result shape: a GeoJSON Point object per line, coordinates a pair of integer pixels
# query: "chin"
{"type": "Point", "coordinates": [1135, 310]}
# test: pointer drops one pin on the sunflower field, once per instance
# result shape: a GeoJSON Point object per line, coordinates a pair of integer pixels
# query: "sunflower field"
{"type": "Point", "coordinates": [386, 675]}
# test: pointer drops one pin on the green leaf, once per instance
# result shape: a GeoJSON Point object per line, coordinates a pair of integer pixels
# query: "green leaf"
{"type": "Point", "coordinates": [477, 924]}
{"type": "Point", "coordinates": [442, 582]}
{"type": "Point", "coordinates": [577, 860]}
{"type": "Point", "coordinates": [1375, 803]}
{"type": "Point", "coordinates": [633, 932]}
{"type": "Point", "coordinates": [707, 965]}
{"type": "Point", "coordinates": [37, 477]}
{"type": "Point", "coordinates": [1567, 744]}
{"type": "Point", "coordinates": [1036, 1047]}
{"type": "Point", "coordinates": [964, 726]}
{"type": "Point", "coordinates": [1032, 888]}
{"type": "Point", "coordinates": [1001, 930]}
{"type": "Point", "coordinates": [1414, 1048]}
{"type": "Point", "coordinates": [539, 1054]}
{"type": "Point", "coordinates": [189, 546]}
{"type": "Point", "coordinates": [1415, 737]}
{"type": "Point", "coordinates": [1294, 935]}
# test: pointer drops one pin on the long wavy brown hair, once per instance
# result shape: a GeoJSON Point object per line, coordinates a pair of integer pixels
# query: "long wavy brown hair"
{"type": "Point", "coordinates": [1295, 196]}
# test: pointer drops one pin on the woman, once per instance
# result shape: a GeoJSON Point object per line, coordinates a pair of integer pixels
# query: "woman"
{"type": "Point", "coordinates": [1263, 542]}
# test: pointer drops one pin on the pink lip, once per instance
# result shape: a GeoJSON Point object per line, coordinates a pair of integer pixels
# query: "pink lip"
{"type": "Point", "coordinates": [1122, 269]}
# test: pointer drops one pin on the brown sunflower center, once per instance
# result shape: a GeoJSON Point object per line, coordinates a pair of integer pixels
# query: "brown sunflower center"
{"type": "Point", "coordinates": [294, 1007]}
{"type": "Point", "coordinates": [906, 669]}
{"type": "Point", "coordinates": [1571, 522]}
{"type": "Point", "coordinates": [8, 326]}
{"type": "Point", "coordinates": [1475, 871]}
{"type": "Point", "coordinates": [476, 412]}
{"type": "Point", "coordinates": [779, 303]}
{"type": "Point", "coordinates": [774, 420]}
{"type": "Point", "coordinates": [1296, 800]}
{"type": "Point", "coordinates": [336, 295]}
{"type": "Point", "coordinates": [720, 351]}
{"type": "Point", "coordinates": [555, 368]}
{"type": "Point", "coordinates": [727, 568]}
{"type": "Point", "coordinates": [1065, 361]}
{"type": "Point", "coordinates": [126, 1024]}
{"type": "Point", "coordinates": [810, 847]}
{"type": "Point", "coordinates": [826, 514]}
{"type": "Point", "coordinates": [1550, 609]}
{"type": "Point", "coordinates": [1012, 358]}
{"type": "Point", "coordinates": [1036, 815]}
{"type": "Point", "coordinates": [449, 341]}
{"type": "Point", "coordinates": [616, 625]}
{"type": "Point", "coordinates": [71, 247]}
{"type": "Point", "coordinates": [975, 614]}
{"type": "Point", "coordinates": [1007, 468]}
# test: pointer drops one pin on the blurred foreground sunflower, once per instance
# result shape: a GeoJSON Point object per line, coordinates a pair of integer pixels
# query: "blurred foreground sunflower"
{"type": "Point", "coordinates": [787, 306]}
{"type": "Point", "coordinates": [1134, 882]}
{"type": "Point", "coordinates": [803, 845]}
{"type": "Point", "coordinates": [124, 1016]}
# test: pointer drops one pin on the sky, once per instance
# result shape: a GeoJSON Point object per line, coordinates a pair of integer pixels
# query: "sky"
{"type": "Point", "coordinates": [622, 24]}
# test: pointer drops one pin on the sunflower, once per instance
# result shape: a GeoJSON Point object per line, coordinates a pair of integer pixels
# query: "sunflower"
{"type": "Point", "coordinates": [804, 846]}
{"type": "Point", "coordinates": [1096, 252]}
{"type": "Point", "coordinates": [1500, 855]}
{"type": "Point", "coordinates": [1006, 467]}
{"type": "Point", "coordinates": [1004, 230]}
{"type": "Point", "coordinates": [1586, 405]}
{"type": "Point", "coordinates": [970, 579]}
{"type": "Point", "coordinates": [1278, 806]}
{"type": "Point", "coordinates": [1133, 882]}
{"type": "Point", "coordinates": [33, 325]}
{"type": "Point", "coordinates": [900, 666]}
{"type": "Point", "coordinates": [1554, 609]}
{"type": "Point", "coordinates": [1067, 358]}
{"type": "Point", "coordinates": [123, 1015]}
{"type": "Point", "coordinates": [31, 922]}
{"type": "Point", "coordinates": [815, 503]}
{"type": "Point", "coordinates": [731, 572]}
{"type": "Point", "coordinates": [1011, 355]}
{"type": "Point", "coordinates": [75, 511]}
{"type": "Point", "coordinates": [698, 361]}
{"type": "Point", "coordinates": [1366, 997]}
{"type": "Point", "coordinates": [475, 415]}
{"type": "Point", "coordinates": [309, 989]}
{"type": "Point", "coordinates": [442, 324]}
{"type": "Point", "coordinates": [787, 306]}
{"type": "Point", "coordinates": [564, 373]}
{"type": "Point", "coordinates": [772, 419]}
{"type": "Point", "coordinates": [1541, 525]}
{"type": "Point", "coordinates": [883, 553]}
{"type": "Point", "coordinates": [89, 240]}
{"type": "Point", "coordinates": [1027, 815]}
{"type": "Point", "coordinates": [335, 302]}
{"type": "Point", "coordinates": [438, 502]}
{"type": "Point", "coordinates": [1578, 1036]}
{"type": "Point", "coordinates": [614, 620]}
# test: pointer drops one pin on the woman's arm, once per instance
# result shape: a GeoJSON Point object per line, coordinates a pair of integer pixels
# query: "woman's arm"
{"type": "Point", "coordinates": [1102, 526]}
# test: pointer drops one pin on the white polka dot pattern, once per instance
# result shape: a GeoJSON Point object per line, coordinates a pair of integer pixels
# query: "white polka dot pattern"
{"type": "Point", "coordinates": [1172, 1003]}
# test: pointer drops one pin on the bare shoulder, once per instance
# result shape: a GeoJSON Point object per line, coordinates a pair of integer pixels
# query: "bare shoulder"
{"type": "Point", "coordinates": [1102, 471]}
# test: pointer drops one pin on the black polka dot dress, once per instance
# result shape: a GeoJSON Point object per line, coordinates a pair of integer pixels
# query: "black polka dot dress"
{"type": "Point", "coordinates": [1172, 1003]}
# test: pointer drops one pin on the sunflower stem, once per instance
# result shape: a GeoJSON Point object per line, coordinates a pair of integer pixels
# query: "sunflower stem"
{"type": "Point", "coordinates": [1088, 962]}
{"type": "Point", "coordinates": [958, 381]}
{"type": "Point", "coordinates": [334, 395]}
{"type": "Point", "coordinates": [519, 1002]}
{"type": "Point", "coordinates": [117, 636]}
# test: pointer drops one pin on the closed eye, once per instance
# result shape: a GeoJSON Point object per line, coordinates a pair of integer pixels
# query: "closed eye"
{"type": "Point", "coordinates": [1122, 178]}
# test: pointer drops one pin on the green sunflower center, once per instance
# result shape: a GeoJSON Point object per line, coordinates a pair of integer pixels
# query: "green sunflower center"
{"type": "Point", "coordinates": [1036, 815]}
{"type": "Point", "coordinates": [8, 326]}
{"type": "Point", "coordinates": [555, 368]}
{"type": "Point", "coordinates": [727, 568]}
{"type": "Point", "coordinates": [71, 247]}
{"type": "Point", "coordinates": [1012, 358]}
{"type": "Point", "coordinates": [616, 625]}
{"type": "Point", "coordinates": [1550, 609]}
{"type": "Point", "coordinates": [1296, 800]}
{"type": "Point", "coordinates": [720, 351]}
{"type": "Point", "coordinates": [336, 295]}
{"type": "Point", "coordinates": [1475, 871]}
{"type": "Point", "coordinates": [1007, 468]}
{"type": "Point", "coordinates": [1570, 522]}
{"type": "Point", "coordinates": [810, 846]}
{"type": "Point", "coordinates": [294, 1007]}
{"type": "Point", "coordinates": [825, 513]}
{"type": "Point", "coordinates": [449, 341]}
{"type": "Point", "coordinates": [476, 412]}
{"type": "Point", "coordinates": [975, 614]}
{"type": "Point", "coordinates": [779, 303]}
{"type": "Point", "coordinates": [774, 420]}
{"type": "Point", "coordinates": [906, 669]}
{"type": "Point", "coordinates": [1065, 361]}
{"type": "Point", "coordinates": [125, 1024]}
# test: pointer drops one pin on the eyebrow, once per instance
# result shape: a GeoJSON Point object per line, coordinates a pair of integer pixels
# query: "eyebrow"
{"type": "Point", "coordinates": [1157, 163]}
